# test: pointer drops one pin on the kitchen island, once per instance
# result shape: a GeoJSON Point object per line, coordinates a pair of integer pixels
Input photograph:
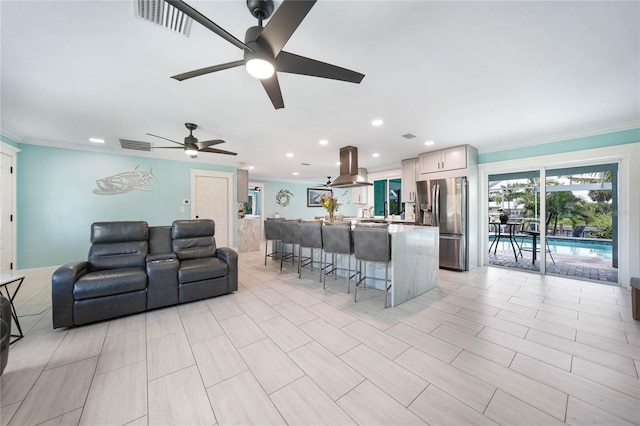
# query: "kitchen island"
{"type": "Point", "coordinates": [414, 266]}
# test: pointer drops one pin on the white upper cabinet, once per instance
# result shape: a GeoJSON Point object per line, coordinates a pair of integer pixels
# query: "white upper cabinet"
{"type": "Point", "coordinates": [443, 160]}
{"type": "Point", "coordinates": [359, 194]}
{"type": "Point", "coordinates": [409, 174]}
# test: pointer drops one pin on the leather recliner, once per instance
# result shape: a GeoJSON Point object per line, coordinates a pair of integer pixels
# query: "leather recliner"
{"type": "Point", "coordinates": [5, 331]}
{"type": "Point", "coordinates": [205, 270]}
{"type": "Point", "coordinates": [112, 283]}
{"type": "Point", "coordinates": [133, 267]}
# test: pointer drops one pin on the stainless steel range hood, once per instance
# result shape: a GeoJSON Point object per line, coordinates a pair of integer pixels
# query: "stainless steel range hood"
{"type": "Point", "coordinates": [350, 174]}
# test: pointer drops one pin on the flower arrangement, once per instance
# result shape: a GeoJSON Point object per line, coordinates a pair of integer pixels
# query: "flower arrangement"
{"type": "Point", "coordinates": [331, 204]}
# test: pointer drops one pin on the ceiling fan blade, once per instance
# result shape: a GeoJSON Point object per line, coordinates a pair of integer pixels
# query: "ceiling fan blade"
{"type": "Point", "coordinates": [272, 87]}
{"type": "Point", "coordinates": [167, 147]}
{"type": "Point", "coordinates": [156, 136]}
{"type": "Point", "coordinates": [207, 23]}
{"type": "Point", "coordinates": [206, 144]}
{"type": "Point", "coordinates": [296, 64]}
{"type": "Point", "coordinates": [284, 22]}
{"type": "Point", "coordinates": [207, 70]}
{"type": "Point", "coordinates": [217, 151]}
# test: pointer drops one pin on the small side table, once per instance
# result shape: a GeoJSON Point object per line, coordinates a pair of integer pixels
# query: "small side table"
{"type": "Point", "coordinates": [5, 280]}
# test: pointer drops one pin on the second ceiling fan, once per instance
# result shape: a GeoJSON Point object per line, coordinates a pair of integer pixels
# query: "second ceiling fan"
{"type": "Point", "coordinates": [192, 146]}
{"type": "Point", "coordinates": [262, 47]}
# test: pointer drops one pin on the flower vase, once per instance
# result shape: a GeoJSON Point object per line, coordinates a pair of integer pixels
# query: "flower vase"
{"type": "Point", "coordinates": [331, 217]}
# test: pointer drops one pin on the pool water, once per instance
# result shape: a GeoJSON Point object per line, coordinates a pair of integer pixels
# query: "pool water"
{"type": "Point", "coordinates": [587, 248]}
{"type": "Point", "coordinates": [584, 248]}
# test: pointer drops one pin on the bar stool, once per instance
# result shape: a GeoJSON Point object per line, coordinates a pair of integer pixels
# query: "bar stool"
{"type": "Point", "coordinates": [271, 233]}
{"type": "Point", "coordinates": [289, 234]}
{"type": "Point", "coordinates": [372, 244]}
{"type": "Point", "coordinates": [337, 239]}
{"type": "Point", "coordinates": [310, 237]}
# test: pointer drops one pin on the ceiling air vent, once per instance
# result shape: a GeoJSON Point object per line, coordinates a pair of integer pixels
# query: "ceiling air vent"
{"type": "Point", "coordinates": [409, 136]}
{"type": "Point", "coordinates": [135, 145]}
{"type": "Point", "coordinates": [162, 13]}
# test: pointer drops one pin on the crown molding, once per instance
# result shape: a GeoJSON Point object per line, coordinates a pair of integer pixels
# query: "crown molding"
{"type": "Point", "coordinates": [627, 125]}
{"type": "Point", "coordinates": [11, 134]}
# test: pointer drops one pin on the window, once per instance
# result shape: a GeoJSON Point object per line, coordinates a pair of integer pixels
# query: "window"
{"type": "Point", "coordinates": [387, 196]}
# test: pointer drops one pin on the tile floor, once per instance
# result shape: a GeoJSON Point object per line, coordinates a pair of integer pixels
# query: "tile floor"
{"type": "Point", "coordinates": [490, 346]}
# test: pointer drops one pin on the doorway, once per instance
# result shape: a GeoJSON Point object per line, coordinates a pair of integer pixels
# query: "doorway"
{"type": "Point", "coordinates": [514, 220]}
{"type": "Point", "coordinates": [567, 227]}
{"type": "Point", "coordinates": [7, 208]}
{"type": "Point", "coordinates": [212, 198]}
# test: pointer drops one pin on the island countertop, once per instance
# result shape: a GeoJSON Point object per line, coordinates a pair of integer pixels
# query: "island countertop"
{"type": "Point", "coordinates": [415, 261]}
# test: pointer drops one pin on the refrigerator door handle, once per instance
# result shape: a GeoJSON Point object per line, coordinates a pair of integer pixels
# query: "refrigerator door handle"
{"type": "Point", "coordinates": [436, 204]}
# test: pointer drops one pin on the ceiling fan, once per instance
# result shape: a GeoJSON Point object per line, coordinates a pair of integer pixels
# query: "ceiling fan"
{"type": "Point", "coordinates": [327, 184]}
{"type": "Point", "coordinates": [192, 146]}
{"type": "Point", "coordinates": [262, 47]}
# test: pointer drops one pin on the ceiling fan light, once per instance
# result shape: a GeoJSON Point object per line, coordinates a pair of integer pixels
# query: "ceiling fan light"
{"type": "Point", "coordinates": [260, 68]}
{"type": "Point", "coordinates": [191, 151]}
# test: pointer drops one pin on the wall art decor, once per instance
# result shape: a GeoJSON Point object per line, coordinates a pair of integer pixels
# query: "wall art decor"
{"type": "Point", "coordinates": [344, 199]}
{"type": "Point", "coordinates": [314, 196]}
{"type": "Point", "coordinates": [125, 182]}
{"type": "Point", "coordinates": [283, 197]}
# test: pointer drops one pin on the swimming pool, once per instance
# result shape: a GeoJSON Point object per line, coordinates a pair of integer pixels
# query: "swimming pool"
{"type": "Point", "coordinates": [587, 248]}
{"type": "Point", "coordinates": [573, 247]}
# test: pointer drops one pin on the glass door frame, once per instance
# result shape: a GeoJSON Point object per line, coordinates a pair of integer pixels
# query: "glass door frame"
{"type": "Point", "coordinates": [540, 213]}
{"type": "Point", "coordinates": [627, 156]}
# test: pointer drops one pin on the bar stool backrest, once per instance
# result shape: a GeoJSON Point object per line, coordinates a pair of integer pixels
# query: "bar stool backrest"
{"type": "Point", "coordinates": [337, 239]}
{"type": "Point", "coordinates": [310, 234]}
{"type": "Point", "coordinates": [372, 244]}
{"type": "Point", "coordinates": [272, 229]}
{"type": "Point", "coordinates": [290, 232]}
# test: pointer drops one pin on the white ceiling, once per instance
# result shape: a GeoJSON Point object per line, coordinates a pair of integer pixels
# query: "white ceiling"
{"type": "Point", "coordinates": [492, 74]}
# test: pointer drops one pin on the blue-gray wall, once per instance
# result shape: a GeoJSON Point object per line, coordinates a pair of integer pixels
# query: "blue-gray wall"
{"type": "Point", "coordinates": [56, 204]}
{"type": "Point", "coordinates": [570, 145]}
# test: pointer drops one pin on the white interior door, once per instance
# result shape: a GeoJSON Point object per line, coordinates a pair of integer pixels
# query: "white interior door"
{"type": "Point", "coordinates": [7, 210]}
{"type": "Point", "coordinates": [212, 197]}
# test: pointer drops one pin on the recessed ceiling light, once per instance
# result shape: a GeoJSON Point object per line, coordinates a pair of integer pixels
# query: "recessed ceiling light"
{"type": "Point", "coordinates": [289, 154]}
{"type": "Point", "coordinates": [429, 143]}
{"type": "Point", "coordinates": [324, 142]}
{"type": "Point", "coordinates": [377, 122]}
{"type": "Point", "coordinates": [295, 173]}
{"type": "Point", "coordinates": [250, 167]}
{"type": "Point", "coordinates": [96, 140]}
{"type": "Point", "coordinates": [338, 163]}
{"type": "Point", "coordinates": [376, 154]}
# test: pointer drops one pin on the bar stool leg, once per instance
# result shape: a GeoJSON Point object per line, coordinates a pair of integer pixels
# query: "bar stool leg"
{"type": "Point", "coordinates": [386, 279]}
{"type": "Point", "coordinates": [349, 276]}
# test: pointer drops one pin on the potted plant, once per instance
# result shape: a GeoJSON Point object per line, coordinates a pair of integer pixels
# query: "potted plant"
{"type": "Point", "coordinates": [504, 216]}
{"type": "Point", "coordinates": [331, 204]}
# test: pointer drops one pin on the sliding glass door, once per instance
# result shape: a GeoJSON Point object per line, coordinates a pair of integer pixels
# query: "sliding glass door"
{"type": "Point", "coordinates": [583, 233]}
{"type": "Point", "coordinates": [568, 227]}
{"type": "Point", "coordinates": [514, 220]}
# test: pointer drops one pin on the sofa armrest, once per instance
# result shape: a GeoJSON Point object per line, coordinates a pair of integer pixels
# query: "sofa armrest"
{"type": "Point", "coordinates": [231, 258]}
{"type": "Point", "coordinates": [62, 282]}
{"type": "Point", "coordinates": [161, 256]}
{"type": "Point", "coordinates": [162, 280]}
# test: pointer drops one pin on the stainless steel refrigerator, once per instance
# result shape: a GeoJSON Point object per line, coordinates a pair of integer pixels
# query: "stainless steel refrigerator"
{"type": "Point", "coordinates": [443, 203]}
